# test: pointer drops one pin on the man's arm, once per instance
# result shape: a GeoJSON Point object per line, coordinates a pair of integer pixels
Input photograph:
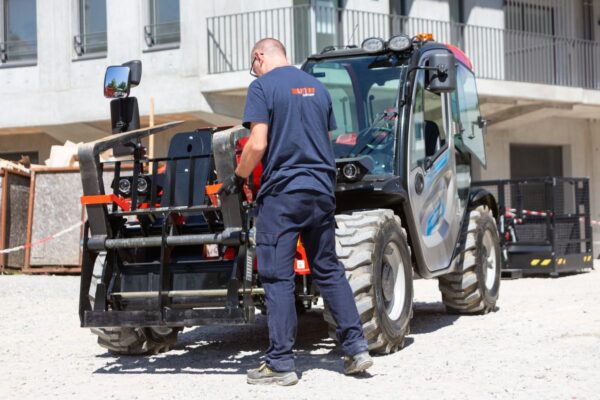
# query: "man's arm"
{"type": "Point", "coordinates": [254, 150]}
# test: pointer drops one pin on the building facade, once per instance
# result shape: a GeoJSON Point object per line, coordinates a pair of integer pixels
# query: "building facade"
{"type": "Point", "coordinates": [536, 63]}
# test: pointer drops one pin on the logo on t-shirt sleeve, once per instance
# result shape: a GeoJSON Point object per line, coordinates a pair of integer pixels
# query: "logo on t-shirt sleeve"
{"type": "Point", "coordinates": [304, 91]}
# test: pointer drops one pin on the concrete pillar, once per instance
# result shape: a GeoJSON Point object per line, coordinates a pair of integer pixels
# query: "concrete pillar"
{"type": "Point", "coordinates": [54, 44]}
{"type": "Point", "coordinates": [125, 35]}
{"type": "Point", "coordinates": [193, 37]}
{"type": "Point", "coordinates": [429, 9]}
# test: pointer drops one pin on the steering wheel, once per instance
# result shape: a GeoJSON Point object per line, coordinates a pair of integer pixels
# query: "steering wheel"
{"type": "Point", "coordinates": [381, 138]}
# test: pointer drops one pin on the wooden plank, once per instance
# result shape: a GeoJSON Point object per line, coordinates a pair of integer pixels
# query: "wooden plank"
{"type": "Point", "coordinates": [3, 212]}
{"type": "Point", "coordinates": [52, 270]}
{"type": "Point", "coordinates": [29, 220]}
{"type": "Point", "coordinates": [14, 217]}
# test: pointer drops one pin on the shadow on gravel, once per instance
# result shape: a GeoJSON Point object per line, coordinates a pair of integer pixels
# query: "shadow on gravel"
{"type": "Point", "coordinates": [235, 349]}
{"type": "Point", "coordinates": [232, 350]}
{"type": "Point", "coordinates": [429, 317]}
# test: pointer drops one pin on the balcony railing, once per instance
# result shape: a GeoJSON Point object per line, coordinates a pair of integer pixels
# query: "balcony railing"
{"type": "Point", "coordinates": [18, 51]}
{"type": "Point", "coordinates": [91, 43]}
{"type": "Point", "coordinates": [496, 53]}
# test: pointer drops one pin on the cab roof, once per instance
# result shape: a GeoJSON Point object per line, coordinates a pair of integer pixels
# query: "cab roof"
{"type": "Point", "coordinates": [353, 51]}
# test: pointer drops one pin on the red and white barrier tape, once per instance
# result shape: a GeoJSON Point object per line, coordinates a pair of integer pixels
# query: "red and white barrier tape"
{"type": "Point", "coordinates": [512, 213]}
{"type": "Point", "coordinates": [41, 241]}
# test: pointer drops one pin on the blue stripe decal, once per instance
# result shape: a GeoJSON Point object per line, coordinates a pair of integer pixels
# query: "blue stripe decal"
{"type": "Point", "coordinates": [434, 218]}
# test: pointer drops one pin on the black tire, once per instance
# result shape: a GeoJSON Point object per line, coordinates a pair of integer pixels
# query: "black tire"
{"type": "Point", "coordinates": [368, 243]}
{"type": "Point", "coordinates": [475, 287]}
{"type": "Point", "coordinates": [129, 341]}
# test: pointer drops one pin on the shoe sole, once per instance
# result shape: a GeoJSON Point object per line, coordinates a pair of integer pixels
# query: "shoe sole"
{"type": "Point", "coordinates": [359, 367]}
{"type": "Point", "coordinates": [281, 381]}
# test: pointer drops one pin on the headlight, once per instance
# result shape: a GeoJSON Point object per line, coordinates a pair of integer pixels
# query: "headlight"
{"type": "Point", "coordinates": [142, 185]}
{"type": "Point", "coordinates": [350, 171]}
{"type": "Point", "coordinates": [399, 43]}
{"type": "Point", "coordinates": [124, 186]}
{"type": "Point", "coordinates": [373, 45]}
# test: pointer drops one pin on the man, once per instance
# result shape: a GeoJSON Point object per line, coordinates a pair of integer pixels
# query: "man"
{"type": "Point", "coordinates": [290, 118]}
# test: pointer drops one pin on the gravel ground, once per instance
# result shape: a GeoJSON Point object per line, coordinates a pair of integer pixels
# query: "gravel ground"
{"type": "Point", "coordinates": [542, 343]}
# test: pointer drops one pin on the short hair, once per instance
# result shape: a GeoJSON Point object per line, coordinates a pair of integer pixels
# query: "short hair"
{"type": "Point", "coordinates": [269, 45]}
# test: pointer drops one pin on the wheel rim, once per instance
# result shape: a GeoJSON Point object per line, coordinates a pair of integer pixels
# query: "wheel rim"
{"type": "Point", "coordinates": [392, 281]}
{"type": "Point", "coordinates": [490, 264]}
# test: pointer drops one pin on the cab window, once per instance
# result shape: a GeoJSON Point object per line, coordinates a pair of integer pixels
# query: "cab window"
{"type": "Point", "coordinates": [428, 131]}
{"type": "Point", "coordinates": [472, 132]}
{"type": "Point", "coordinates": [340, 87]}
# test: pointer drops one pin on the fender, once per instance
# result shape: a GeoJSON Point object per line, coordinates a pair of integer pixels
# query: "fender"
{"type": "Point", "coordinates": [481, 197]}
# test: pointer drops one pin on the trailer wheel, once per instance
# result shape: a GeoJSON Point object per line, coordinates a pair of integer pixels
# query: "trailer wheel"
{"type": "Point", "coordinates": [474, 288]}
{"type": "Point", "coordinates": [129, 341]}
{"type": "Point", "coordinates": [373, 248]}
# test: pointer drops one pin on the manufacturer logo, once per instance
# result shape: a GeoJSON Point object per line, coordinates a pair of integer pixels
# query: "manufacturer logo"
{"type": "Point", "coordinates": [305, 91]}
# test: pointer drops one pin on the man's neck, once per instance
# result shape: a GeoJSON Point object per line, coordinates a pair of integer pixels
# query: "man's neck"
{"type": "Point", "coordinates": [277, 64]}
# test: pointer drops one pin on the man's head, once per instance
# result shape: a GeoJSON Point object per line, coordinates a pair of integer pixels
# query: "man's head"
{"type": "Point", "coordinates": [267, 53]}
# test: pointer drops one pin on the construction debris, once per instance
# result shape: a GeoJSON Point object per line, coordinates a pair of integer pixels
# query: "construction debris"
{"type": "Point", "coordinates": [12, 166]}
{"type": "Point", "coordinates": [63, 156]}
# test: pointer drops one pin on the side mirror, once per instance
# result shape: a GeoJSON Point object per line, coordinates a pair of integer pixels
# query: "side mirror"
{"type": "Point", "coordinates": [441, 77]}
{"type": "Point", "coordinates": [135, 72]}
{"type": "Point", "coordinates": [117, 82]}
{"type": "Point", "coordinates": [119, 79]}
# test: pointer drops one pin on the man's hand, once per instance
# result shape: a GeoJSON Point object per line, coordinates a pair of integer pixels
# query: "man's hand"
{"type": "Point", "coordinates": [231, 185]}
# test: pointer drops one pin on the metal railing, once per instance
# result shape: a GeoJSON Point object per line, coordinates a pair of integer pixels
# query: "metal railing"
{"type": "Point", "coordinates": [496, 53]}
{"type": "Point", "coordinates": [231, 37]}
{"type": "Point", "coordinates": [18, 51]}
{"type": "Point", "coordinates": [90, 43]}
{"type": "Point", "coordinates": [162, 34]}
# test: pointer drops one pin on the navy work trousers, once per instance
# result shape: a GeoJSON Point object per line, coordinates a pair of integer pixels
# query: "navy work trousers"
{"type": "Point", "coordinates": [281, 219]}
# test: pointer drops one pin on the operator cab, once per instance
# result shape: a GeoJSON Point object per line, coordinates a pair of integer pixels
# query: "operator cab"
{"type": "Point", "coordinates": [408, 128]}
{"type": "Point", "coordinates": [370, 86]}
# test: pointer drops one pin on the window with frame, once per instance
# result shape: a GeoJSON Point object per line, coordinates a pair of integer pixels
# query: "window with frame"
{"type": "Point", "coordinates": [532, 18]}
{"type": "Point", "coordinates": [18, 31]}
{"type": "Point", "coordinates": [471, 123]}
{"type": "Point", "coordinates": [428, 129]}
{"type": "Point", "coordinates": [164, 27]}
{"type": "Point", "coordinates": [91, 37]}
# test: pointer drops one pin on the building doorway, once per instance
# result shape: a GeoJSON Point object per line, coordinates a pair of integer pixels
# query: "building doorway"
{"type": "Point", "coordinates": [535, 161]}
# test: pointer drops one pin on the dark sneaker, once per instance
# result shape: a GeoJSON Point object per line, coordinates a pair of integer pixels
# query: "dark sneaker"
{"type": "Point", "coordinates": [264, 375]}
{"type": "Point", "coordinates": [357, 363]}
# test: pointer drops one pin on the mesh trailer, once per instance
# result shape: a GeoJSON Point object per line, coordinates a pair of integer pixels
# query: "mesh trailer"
{"type": "Point", "coordinates": [544, 223]}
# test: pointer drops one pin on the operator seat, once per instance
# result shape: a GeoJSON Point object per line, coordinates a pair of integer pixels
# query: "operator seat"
{"type": "Point", "coordinates": [190, 149]}
{"type": "Point", "coordinates": [432, 138]}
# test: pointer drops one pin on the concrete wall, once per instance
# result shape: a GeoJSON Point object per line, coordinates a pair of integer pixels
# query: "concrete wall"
{"type": "Point", "coordinates": [573, 134]}
{"type": "Point", "coordinates": [488, 13]}
{"type": "Point", "coordinates": [39, 142]}
{"type": "Point", "coordinates": [63, 89]}
{"type": "Point", "coordinates": [429, 9]}
{"type": "Point", "coordinates": [376, 6]}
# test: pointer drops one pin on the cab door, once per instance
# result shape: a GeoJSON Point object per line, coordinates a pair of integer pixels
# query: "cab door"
{"type": "Point", "coordinates": [432, 184]}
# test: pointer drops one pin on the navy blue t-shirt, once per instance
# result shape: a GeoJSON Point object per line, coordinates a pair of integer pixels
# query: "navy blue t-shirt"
{"type": "Point", "coordinates": [297, 108]}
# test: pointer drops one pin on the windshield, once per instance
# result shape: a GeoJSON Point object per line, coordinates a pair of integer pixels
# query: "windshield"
{"type": "Point", "coordinates": [364, 92]}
